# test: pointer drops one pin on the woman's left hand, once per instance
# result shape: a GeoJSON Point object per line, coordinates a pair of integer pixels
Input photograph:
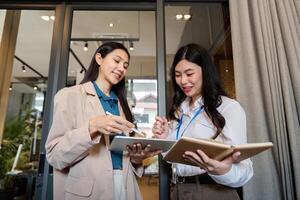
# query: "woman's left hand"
{"type": "Point", "coordinates": [199, 158]}
{"type": "Point", "coordinates": [137, 154]}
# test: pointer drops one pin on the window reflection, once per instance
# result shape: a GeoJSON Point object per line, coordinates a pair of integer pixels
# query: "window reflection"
{"type": "Point", "coordinates": [209, 26]}
{"type": "Point", "coordinates": [22, 133]}
{"type": "Point", "coordinates": [145, 108]}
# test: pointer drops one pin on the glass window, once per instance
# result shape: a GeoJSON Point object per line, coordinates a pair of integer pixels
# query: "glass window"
{"type": "Point", "coordinates": [145, 108]}
{"type": "Point", "coordinates": [136, 30]}
{"type": "Point", "coordinates": [206, 24]}
{"type": "Point", "coordinates": [27, 92]}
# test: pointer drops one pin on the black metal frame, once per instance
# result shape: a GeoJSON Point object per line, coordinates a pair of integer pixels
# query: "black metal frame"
{"type": "Point", "coordinates": [164, 168]}
{"type": "Point", "coordinates": [78, 60]}
{"type": "Point", "coordinates": [57, 76]}
{"type": "Point", "coordinates": [30, 67]}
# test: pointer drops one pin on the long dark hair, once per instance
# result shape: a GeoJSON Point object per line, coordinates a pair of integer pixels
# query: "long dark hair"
{"type": "Point", "coordinates": [93, 71]}
{"type": "Point", "coordinates": [211, 87]}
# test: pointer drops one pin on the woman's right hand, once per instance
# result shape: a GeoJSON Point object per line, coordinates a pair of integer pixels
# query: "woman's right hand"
{"type": "Point", "coordinates": [160, 127]}
{"type": "Point", "coordinates": [109, 125]}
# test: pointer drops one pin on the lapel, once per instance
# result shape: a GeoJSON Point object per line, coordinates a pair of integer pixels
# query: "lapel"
{"type": "Point", "coordinates": [126, 159]}
{"type": "Point", "coordinates": [92, 97]}
{"type": "Point", "coordinates": [122, 114]}
{"type": "Point", "coordinates": [94, 102]}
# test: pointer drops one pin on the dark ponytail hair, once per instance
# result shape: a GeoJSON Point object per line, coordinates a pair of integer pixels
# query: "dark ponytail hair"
{"type": "Point", "coordinates": [211, 87]}
{"type": "Point", "coordinates": [93, 71]}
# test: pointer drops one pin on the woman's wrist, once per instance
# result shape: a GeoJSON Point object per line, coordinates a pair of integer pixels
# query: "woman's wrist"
{"type": "Point", "coordinates": [93, 130]}
{"type": "Point", "coordinates": [136, 161]}
{"type": "Point", "coordinates": [136, 164]}
{"type": "Point", "coordinates": [221, 171]}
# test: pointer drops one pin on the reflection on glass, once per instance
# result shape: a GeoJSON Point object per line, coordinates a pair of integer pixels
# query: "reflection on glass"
{"type": "Point", "coordinates": [208, 25]}
{"type": "Point", "coordinates": [135, 29]}
{"type": "Point", "coordinates": [27, 91]}
{"type": "Point", "coordinates": [145, 107]}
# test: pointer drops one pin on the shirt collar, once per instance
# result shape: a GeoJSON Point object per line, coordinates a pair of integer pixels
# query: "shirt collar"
{"type": "Point", "coordinates": [100, 94]}
{"type": "Point", "coordinates": [185, 107]}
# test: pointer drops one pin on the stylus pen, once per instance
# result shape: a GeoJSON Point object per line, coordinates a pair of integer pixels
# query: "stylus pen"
{"type": "Point", "coordinates": [133, 129]}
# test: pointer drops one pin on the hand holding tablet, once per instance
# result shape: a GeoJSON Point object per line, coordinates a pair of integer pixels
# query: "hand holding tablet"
{"type": "Point", "coordinates": [120, 143]}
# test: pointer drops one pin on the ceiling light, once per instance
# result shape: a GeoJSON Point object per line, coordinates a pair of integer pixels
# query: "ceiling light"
{"type": "Point", "coordinates": [187, 16]}
{"type": "Point", "coordinates": [52, 17]}
{"type": "Point", "coordinates": [35, 87]}
{"type": "Point", "coordinates": [131, 48]}
{"type": "Point", "coordinates": [179, 16]}
{"type": "Point", "coordinates": [10, 87]}
{"type": "Point", "coordinates": [23, 68]}
{"type": "Point", "coordinates": [226, 70]}
{"type": "Point", "coordinates": [86, 46]}
{"type": "Point", "coordinates": [111, 25]}
{"type": "Point", "coordinates": [45, 17]}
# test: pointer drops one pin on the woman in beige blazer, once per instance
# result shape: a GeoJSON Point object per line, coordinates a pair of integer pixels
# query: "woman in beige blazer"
{"type": "Point", "coordinates": [77, 144]}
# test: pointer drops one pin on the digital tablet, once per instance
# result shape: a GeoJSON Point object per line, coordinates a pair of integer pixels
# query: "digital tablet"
{"type": "Point", "coordinates": [120, 143]}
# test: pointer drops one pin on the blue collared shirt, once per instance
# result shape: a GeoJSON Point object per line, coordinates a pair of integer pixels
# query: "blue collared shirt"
{"type": "Point", "coordinates": [110, 104]}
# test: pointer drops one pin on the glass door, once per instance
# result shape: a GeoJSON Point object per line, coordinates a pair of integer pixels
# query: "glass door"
{"type": "Point", "coordinates": [20, 148]}
{"type": "Point", "coordinates": [207, 24]}
{"type": "Point", "coordinates": [137, 32]}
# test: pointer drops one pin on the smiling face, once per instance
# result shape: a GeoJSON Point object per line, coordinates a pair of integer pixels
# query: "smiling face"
{"type": "Point", "coordinates": [188, 77]}
{"type": "Point", "coordinates": [113, 67]}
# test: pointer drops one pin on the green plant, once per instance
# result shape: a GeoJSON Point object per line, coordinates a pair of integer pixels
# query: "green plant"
{"type": "Point", "coordinates": [6, 153]}
{"type": "Point", "coordinates": [18, 130]}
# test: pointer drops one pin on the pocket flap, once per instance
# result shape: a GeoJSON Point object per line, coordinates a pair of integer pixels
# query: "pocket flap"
{"type": "Point", "coordinates": [79, 186]}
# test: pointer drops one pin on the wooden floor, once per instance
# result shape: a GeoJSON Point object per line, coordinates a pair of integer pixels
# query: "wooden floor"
{"type": "Point", "coordinates": [149, 187]}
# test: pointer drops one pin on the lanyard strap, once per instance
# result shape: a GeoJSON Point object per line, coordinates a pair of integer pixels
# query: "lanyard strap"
{"type": "Point", "coordinates": [200, 110]}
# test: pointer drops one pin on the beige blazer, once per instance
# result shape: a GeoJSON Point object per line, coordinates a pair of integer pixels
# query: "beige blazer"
{"type": "Point", "coordinates": [83, 167]}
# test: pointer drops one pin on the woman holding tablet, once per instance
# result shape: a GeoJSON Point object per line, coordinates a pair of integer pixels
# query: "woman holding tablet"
{"type": "Point", "coordinates": [201, 109]}
{"type": "Point", "coordinates": [78, 141]}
